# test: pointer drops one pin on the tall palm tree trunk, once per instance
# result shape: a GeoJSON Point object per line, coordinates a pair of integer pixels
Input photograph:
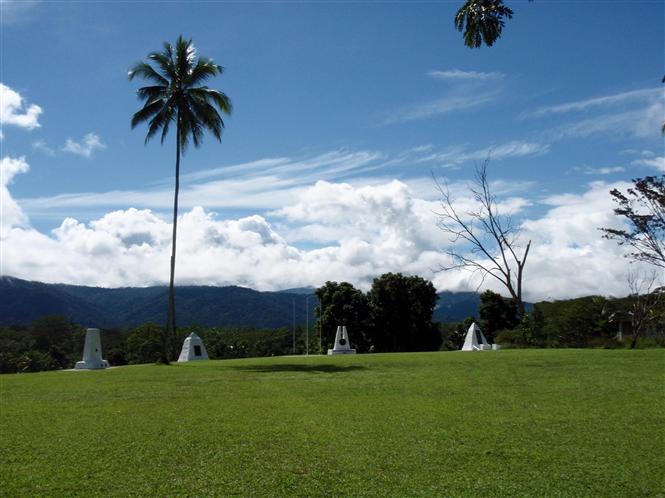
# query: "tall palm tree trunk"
{"type": "Point", "coordinates": [169, 343]}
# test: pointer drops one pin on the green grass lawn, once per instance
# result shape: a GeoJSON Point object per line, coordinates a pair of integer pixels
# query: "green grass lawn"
{"type": "Point", "coordinates": [523, 423]}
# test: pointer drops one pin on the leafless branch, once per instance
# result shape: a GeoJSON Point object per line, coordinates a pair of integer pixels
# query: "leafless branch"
{"type": "Point", "coordinates": [483, 240]}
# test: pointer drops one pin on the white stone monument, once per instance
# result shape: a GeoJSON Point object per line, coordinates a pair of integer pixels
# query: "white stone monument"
{"type": "Point", "coordinates": [342, 344]}
{"type": "Point", "coordinates": [192, 349]}
{"type": "Point", "coordinates": [475, 340]}
{"type": "Point", "coordinates": [92, 352]}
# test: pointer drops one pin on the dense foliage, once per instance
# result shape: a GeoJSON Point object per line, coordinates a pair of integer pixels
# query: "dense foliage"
{"type": "Point", "coordinates": [343, 304]}
{"type": "Point", "coordinates": [496, 313]}
{"type": "Point", "coordinates": [402, 308]}
{"type": "Point", "coordinates": [482, 21]}
{"type": "Point", "coordinates": [395, 315]}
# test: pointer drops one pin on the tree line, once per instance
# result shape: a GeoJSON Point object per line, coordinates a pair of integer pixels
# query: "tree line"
{"type": "Point", "coordinates": [395, 315]}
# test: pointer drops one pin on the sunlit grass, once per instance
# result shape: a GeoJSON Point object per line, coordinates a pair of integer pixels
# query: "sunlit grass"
{"type": "Point", "coordinates": [529, 423]}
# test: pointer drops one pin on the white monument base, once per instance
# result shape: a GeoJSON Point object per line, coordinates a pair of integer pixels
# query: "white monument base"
{"type": "Point", "coordinates": [342, 351]}
{"type": "Point", "coordinates": [342, 344]}
{"type": "Point", "coordinates": [192, 349]}
{"type": "Point", "coordinates": [83, 365]}
{"type": "Point", "coordinates": [92, 352]}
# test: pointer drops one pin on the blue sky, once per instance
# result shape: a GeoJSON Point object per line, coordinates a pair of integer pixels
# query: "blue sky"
{"type": "Point", "coordinates": [342, 112]}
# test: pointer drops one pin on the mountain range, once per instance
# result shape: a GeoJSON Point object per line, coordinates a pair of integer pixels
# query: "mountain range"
{"type": "Point", "coordinates": [24, 301]}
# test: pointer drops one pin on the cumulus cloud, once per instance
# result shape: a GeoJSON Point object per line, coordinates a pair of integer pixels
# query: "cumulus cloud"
{"type": "Point", "coordinates": [326, 231]}
{"type": "Point", "coordinates": [90, 143]}
{"type": "Point", "coordinates": [569, 255]}
{"type": "Point", "coordinates": [14, 111]}
{"type": "Point", "coordinates": [10, 212]}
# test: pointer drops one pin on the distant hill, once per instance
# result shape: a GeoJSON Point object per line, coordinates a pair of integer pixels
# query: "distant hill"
{"type": "Point", "coordinates": [456, 306]}
{"type": "Point", "coordinates": [23, 301]}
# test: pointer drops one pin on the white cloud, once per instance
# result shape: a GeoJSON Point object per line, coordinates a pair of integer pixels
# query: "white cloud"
{"type": "Point", "coordinates": [459, 75]}
{"type": "Point", "coordinates": [648, 94]}
{"type": "Point", "coordinates": [657, 163]}
{"type": "Point", "coordinates": [13, 110]}
{"type": "Point", "coordinates": [445, 105]}
{"type": "Point", "coordinates": [263, 184]}
{"type": "Point", "coordinates": [16, 11]}
{"type": "Point", "coordinates": [10, 212]}
{"type": "Point", "coordinates": [467, 90]}
{"type": "Point", "coordinates": [456, 155]}
{"type": "Point", "coordinates": [569, 255]}
{"type": "Point", "coordinates": [42, 146]}
{"type": "Point", "coordinates": [637, 113]}
{"type": "Point", "coordinates": [90, 143]}
{"type": "Point", "coordinates": [608, 170]}
{"type": "Point", "coordinates": [322, 231]}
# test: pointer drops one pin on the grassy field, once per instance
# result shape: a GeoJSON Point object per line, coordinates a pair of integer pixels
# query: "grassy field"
{"type": "Point", "coordinates": [523, 423]}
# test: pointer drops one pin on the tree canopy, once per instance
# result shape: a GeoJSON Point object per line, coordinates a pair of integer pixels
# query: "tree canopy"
{"type": "Point", "coordinates": [342, 304]}
{"type": "Point", "coordinates": [402, 308]}
{"type": "Point", "coordinates": [482, 21]}
{"type": "Point", "coordinates": [643, 207]}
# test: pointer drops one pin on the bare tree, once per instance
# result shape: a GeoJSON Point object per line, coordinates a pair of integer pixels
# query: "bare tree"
{"type": "Point", "coordinates": [484, 241]}
{"type": "Point", "coordinates": [645, 300]}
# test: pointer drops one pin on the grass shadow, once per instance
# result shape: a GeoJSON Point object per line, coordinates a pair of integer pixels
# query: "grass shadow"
{"type": "Point", "coordinates": [292, 367]}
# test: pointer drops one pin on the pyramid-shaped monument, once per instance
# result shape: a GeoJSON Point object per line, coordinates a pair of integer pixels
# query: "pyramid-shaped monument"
{"type": "Point", "coordinates": [342, 343]}
{"type": "Point", "coordinates": [192, 349]}
{"type": "Point", "coordinates": [475, 340]}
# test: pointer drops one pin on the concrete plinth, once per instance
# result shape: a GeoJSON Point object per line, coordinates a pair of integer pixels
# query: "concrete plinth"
{"type": "Point", "coordinates": [92, 352]}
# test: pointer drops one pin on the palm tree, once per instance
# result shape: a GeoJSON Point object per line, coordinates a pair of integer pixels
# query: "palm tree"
{"type": "Point", "coordinates": [175, 96]}
{"type": "Point", "coordinates": [482, 21]}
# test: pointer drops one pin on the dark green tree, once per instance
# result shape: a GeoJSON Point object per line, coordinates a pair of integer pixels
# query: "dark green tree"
{"type": "Point", "coordinates": [144, 344]}
{"type": "Point", "coordinates": [497, 313]}
{"type": "Point", "coordinates": [461, 330]}
{"type": "Point", "coordinates": [176, 95]}
{"type": "Point", "coordinates": [643, 207]}
{"type": "Point", "coordinates": [340, 303]}
{"type": "Point", "coordinates": [576, 322]}
{"type": "Point", "coordinates": [482, 21]}
{"type": "Point", "coordinates": [59, 338]}
{"type": "Point", "coordinates": [402, 308]}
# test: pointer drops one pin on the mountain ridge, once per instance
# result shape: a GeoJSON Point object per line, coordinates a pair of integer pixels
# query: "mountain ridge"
{"type": "Point", "coordinates": [208, 306]}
